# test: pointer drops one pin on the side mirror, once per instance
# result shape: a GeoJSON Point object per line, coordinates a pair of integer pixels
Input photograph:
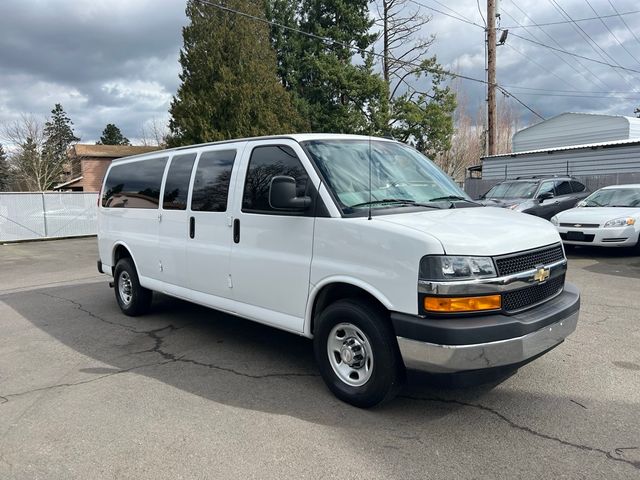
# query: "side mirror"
{"type": "Point", "coordinates": [545, 196]}
{"type": "Point", "coordinates": [282, 195]}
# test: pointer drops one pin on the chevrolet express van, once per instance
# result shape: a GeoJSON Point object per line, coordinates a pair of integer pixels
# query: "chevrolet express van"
{"type": "Point", "coordinates": [360, 243]}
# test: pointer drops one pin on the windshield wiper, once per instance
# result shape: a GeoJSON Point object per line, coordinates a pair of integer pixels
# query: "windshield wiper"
{"type": "Point", "coordinates": [452, 198]}
{"type": "Point", "coordinates": [448, 197]}
{"type": "Point", "coordinates": [401, 201]}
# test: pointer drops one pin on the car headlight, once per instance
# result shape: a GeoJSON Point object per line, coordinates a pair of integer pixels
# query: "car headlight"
{"type": "Point", "coordinates": [554, 220]}
{"type": "Point", "coordinates": [456, 268]}
{"type": "Point", "coordinates": [620, 222]}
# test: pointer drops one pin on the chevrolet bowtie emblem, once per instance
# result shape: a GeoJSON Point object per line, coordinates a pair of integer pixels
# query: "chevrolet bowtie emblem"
{"type": "Point", "coordinates": [577, 225]}
{"type": "Point", "coordinates": [542, 274]}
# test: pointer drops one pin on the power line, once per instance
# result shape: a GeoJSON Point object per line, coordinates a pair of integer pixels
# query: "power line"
{"type": "Point", "coordinates": [618, 14]}
{"type": "Point", "coordinates": [612, 34]}
{"type": "Point", "coordinates": [598, 97]}
{"type": "Point", "coordinates": [570, 91]}
{"type": "Point", "coordinates": [575, 54]}
{"type": "Point", "coordinates": [538, 64]}
{"type": "Point", "coordinates": [588, 37]}
{"type": "Point", "coordinates": [564, 22]}
{"type": "Point", "coordinates": [580, 72]}
{"type": "Point", "coordinates": [362, 50]}
{"type": "Point", "coordinates": [457, 16]}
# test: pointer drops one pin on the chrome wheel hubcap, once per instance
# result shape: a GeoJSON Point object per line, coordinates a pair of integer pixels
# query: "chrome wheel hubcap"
{"type": "Point", "coordinates": [350, 354]}
{"type": "Point", "coordinates": [125, 288]}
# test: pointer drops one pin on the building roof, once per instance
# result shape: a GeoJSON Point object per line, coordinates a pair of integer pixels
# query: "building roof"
{"type": "Point", "coordinates": [568, 129]}
{"type": "Point", "coordinates": [68, 183]}
{"type": "Point", "coordinates": [109, 151]}
{"type": "Point", "coordinates": [570, 147]}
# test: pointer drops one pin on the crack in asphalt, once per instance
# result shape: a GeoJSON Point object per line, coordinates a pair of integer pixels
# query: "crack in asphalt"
{"type": "Point", "coordinates": [157, 348]}
{"type": "Point", "coordinates": [524, 428]}
{"type": "Point", "coordinates": [81, 308]}
{"type": "Point", "coordinates": [7, 396]}
{"type": "Point", "coordinates": [159, 340]}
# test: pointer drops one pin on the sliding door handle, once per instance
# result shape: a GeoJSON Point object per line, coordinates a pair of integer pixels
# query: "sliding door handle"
{"type": "Point", "coordinates": [236, 230]}
{"type": "Point", "coordinates": [192, 227]}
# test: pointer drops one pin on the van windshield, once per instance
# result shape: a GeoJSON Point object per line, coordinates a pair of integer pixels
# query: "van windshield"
{"type": "Point", "coordinates": [399, 174]}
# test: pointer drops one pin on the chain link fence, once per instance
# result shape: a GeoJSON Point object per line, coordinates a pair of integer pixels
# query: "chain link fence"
{"type": "Point", "coordinates": [30, 216]}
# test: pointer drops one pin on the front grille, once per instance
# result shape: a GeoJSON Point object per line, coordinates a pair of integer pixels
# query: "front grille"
{"type": "Point", "coordinates": [521, 262]}
{"type": "Point", "coordinates": [580, 225]}
{"type": "Point", "coordinates": [529, 296]}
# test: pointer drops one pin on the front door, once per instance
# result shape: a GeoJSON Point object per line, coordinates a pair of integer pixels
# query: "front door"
{"type": "Point", "coordinates": [271, 250]}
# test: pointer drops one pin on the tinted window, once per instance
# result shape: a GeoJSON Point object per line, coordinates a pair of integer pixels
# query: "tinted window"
{"type": "Point", "coordinates": [577, 186]}
{"type": "Point", "coordinates": [135, 184]}
{"type": "Point", "coordinates": [176, 186]}
{"type": "Point", "coordinates": [265, 163]}
{"type": "Point", "coordinates": [513, 190]}
{"type": "Point", "coordinates": [563, 187]}
{"type": "Point", "coordinates": [546, 187]}
{"type": "Point", "coordinates": [211, 185]}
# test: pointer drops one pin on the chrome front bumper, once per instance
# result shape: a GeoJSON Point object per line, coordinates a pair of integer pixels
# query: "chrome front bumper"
{"type": "Point", "coordinates": [431, 357]}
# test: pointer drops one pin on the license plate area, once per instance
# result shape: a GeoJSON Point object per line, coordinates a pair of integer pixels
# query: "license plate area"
{"type": "Point", "coordinates": [576, 236]}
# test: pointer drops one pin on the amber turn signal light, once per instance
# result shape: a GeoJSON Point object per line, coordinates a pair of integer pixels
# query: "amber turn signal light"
{"type": "Point", "coordinates": [462, 304]}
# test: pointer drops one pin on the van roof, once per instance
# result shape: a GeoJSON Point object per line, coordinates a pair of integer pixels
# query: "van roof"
{"type": "Point", "coordinates": [299, 137]}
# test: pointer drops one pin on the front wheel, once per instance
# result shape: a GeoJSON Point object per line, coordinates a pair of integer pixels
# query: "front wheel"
{"type": "Point", "coordinates": [357, 353]}
{"type": "Point", "coordinates": [133, 299]}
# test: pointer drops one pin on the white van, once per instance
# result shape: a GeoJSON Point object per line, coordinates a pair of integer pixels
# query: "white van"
{"type": "Point", "coordinates": [360, 243]}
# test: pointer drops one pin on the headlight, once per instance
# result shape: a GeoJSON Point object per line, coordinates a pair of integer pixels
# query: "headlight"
{"type": "Point", "coordinates": [554, 220]}
{"type": "Point", "coordinates": [456, 268]}
{"type": "Point", "coordinates": [620, 222]}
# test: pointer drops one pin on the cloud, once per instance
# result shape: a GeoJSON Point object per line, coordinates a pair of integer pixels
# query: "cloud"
{"type": "Point", "coordinates": [116, 61]}
{"type": "Point", "coordinates": [105, 61]}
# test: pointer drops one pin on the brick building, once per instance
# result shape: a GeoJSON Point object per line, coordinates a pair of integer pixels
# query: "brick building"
{"type": "Point", "coordinates": [88, 165]}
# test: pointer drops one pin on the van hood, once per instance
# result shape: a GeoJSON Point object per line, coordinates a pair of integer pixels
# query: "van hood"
{"type": "Point", "coordinates": [482, 231]}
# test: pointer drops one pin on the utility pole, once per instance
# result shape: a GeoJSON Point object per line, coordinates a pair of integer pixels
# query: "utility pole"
{"type": "Point", "coordinates": [491, 77]}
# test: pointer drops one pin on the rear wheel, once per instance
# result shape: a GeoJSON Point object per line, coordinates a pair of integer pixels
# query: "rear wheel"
{"type": "Point", "coordinates": [133, 299]}
{"type": "Point", "coordinates": [357, 353]}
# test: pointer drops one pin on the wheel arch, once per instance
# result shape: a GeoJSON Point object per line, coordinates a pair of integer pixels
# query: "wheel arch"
{"type": "Point", "coordinates": [335, 288]}
{"type": "Point", "coordinates": [121, 250]}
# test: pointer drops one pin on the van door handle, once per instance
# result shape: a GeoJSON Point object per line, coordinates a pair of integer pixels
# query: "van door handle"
{"type": "Point", "coordinates": [192, 227]}
{"type": "Point", "coordinates": [236, 230]}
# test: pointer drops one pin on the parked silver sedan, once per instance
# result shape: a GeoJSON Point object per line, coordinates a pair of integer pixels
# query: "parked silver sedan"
{"type": "Point", "coordinates": [609, 217]}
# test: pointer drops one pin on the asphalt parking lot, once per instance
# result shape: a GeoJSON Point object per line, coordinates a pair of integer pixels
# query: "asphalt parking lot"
{"type": "Point", "coordinates": [186, 392]}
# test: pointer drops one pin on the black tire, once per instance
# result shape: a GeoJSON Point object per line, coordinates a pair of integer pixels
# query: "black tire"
{"type": "Point", "coordinates": [386, 375]}
{"type": "Point", "coordinates": [139, 298]}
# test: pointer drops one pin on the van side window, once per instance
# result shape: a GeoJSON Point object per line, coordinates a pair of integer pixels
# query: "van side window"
{"type": "Point", "coordinates": [134, 184]}
{"type": "Point", "coordinates": [563, 187]}
{"type": "Point", "coordinates": [265, 163]}
{"type": "Point", "coordinates": [211, 185]}
{"type": "Point", "coordinates": [577, 186]}
{"type": "Point", "coordinates": [176, 186]}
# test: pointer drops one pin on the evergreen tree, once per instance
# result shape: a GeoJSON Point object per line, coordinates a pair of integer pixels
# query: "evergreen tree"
{"type": "Point", "coordinates": [58, 134]}
{"type": "Point", "coordinates": [229, 83]}
{"type": "Point", "coordinates": [111, 135]}
{"type": "Point", "coordinates": [336, 93]}
{"type": "Point", "coordinates": [5, 172]}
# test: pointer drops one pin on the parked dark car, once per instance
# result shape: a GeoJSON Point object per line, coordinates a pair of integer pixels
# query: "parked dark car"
{"type": "Point", "coordinates": [540, 196]}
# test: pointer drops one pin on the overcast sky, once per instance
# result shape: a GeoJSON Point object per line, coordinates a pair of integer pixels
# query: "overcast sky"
{"type": "Point", "coordinates": [116, 61]}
